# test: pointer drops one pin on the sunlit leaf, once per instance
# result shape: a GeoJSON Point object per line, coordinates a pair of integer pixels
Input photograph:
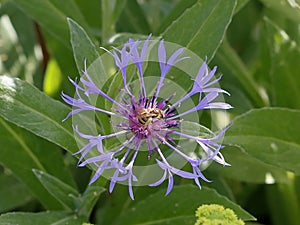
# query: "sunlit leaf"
{"type": "Point", "coordinates": [19, 51]}
{"type": "Point", "coordinates": [26, 106]}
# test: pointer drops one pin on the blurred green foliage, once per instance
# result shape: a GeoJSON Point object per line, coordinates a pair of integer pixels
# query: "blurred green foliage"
{"type": "Point", "coordinates": [255, 45]}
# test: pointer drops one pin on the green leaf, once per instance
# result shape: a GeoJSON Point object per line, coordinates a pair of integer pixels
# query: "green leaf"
{"type": "Point", "coordinates": [24, 105]}
{"type": "Point", "coordinates": [240, 5]}
{"type": "Point", "coordinates": [52, 16]}
{"type": "Point", "coordinates": [45, 218]}
{"type": "Point", "coordinates": [111, 10]}
{"type": "Point", "coordinates": [63, 192]}
{"type": "Point", "coordinates": [241, 78]}
{"type": "Point", "coordinates": [121, 38]}
{"type": "Point", "coordinates": [252, 223]}
{"type": "Point", "coordinates": [289, 9]}
{"type": "Point", "coordinates": [133, 19]}
{"type": "Point", "coordinates": [18, 46]}
{"type": "Point", "coordinates": [21, 151]}
{"type": "Point", "coordinates": [91, 14]}
{"type": "Point", "coordinates": [204, 25]}
{"type": "Point", "coordinates": [285, 83]}
{"type": "Point", "coordinates": [182, 5]}
{"type": "Point", "coordinates": [282, 202]}
{"type": "Point", "coordinates": [64, 57]}
{"type": "Point", "coordinates": [12, 193]}
{"type": "Point", "coordinates": [178, 9]}
{"type": "Point", "coordinates": [270, 135]}
{"type": "Point", "coordinates": [70, 9]}
{"type": "Point", "coordinates": [68, 196]}
{"type": "Point", "coordinates": [182, 204]}
{"type": "Point", "coordinates": [85, 49]}
{"type": "Point", "coordinates": [48, 16]}
{"type": "Point", "coordinates": [242, 163]}
{"type": "Point", "coordinates": [156, 11]}
{"type": "Point", "coordinates": [89, 199]}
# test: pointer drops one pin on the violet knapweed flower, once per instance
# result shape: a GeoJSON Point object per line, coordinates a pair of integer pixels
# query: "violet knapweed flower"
{"type": "Point", "coordinates": [147, 120]}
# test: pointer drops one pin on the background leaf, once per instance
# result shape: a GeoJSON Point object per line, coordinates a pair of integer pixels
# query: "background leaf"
{"type": "Point", "coordinates": [182, 204]}
{"type": "Point", "coordinates": [132, 19]}
{"type": "Point", "coordinates": [85, 50]}
{"type": "Point", "coordinates": [9, 184]}
{"type": "Point", "coordinates": [21, 151]}
{"type": "Point", "coordinates": [26, 106]}
{"type": "Point", "coordinates": [63, 192]}
{"type": "Point", "coordinates": [89, 199]}
{"type": "Point", "coordinates": [256, 170]}
{"type": "Point", "coordinates": [50, 18]}
{"type": "Point", "coordinates": [239, 82]}
{"type": "Point", "coordinates": [19, 55]}
{"type": "Point", "coordinates": [270, 135]}
{"type": "Point", "coordinates": [289, 9]}
{"type": "Point", "coordinates": [111, 10]}
{"type": "Point", "coordinates": [205, 24]}
{"type": "Point", "coordinates": [53, 32]}
{"type": "Point", "coordinates": [47, 218]}
{"type": "Point", "coordinates": [176, 12]}
{"type": "Point", "coordinates": [285, 86]}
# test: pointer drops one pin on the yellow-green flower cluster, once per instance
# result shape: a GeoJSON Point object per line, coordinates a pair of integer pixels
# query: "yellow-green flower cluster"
{"type": "Point", "coordinates": [216, 215]}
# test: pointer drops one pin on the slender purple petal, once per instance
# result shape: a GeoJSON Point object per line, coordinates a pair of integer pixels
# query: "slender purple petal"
{"type": "Point", "coordinates": [170, 183]}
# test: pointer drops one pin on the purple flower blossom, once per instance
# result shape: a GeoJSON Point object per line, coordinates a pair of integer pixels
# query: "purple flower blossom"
{"type": "Point", "coordinates": [148, 120]}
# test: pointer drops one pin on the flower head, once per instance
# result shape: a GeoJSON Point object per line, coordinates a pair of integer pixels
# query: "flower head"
{"type": "Point", "coordinates": [214, 214]}
{"type": "Point", "coordinates": [147, 120]}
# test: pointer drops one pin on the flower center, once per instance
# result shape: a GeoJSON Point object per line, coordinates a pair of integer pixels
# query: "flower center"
{"type": "Point", "coordinates": [147, 116]}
